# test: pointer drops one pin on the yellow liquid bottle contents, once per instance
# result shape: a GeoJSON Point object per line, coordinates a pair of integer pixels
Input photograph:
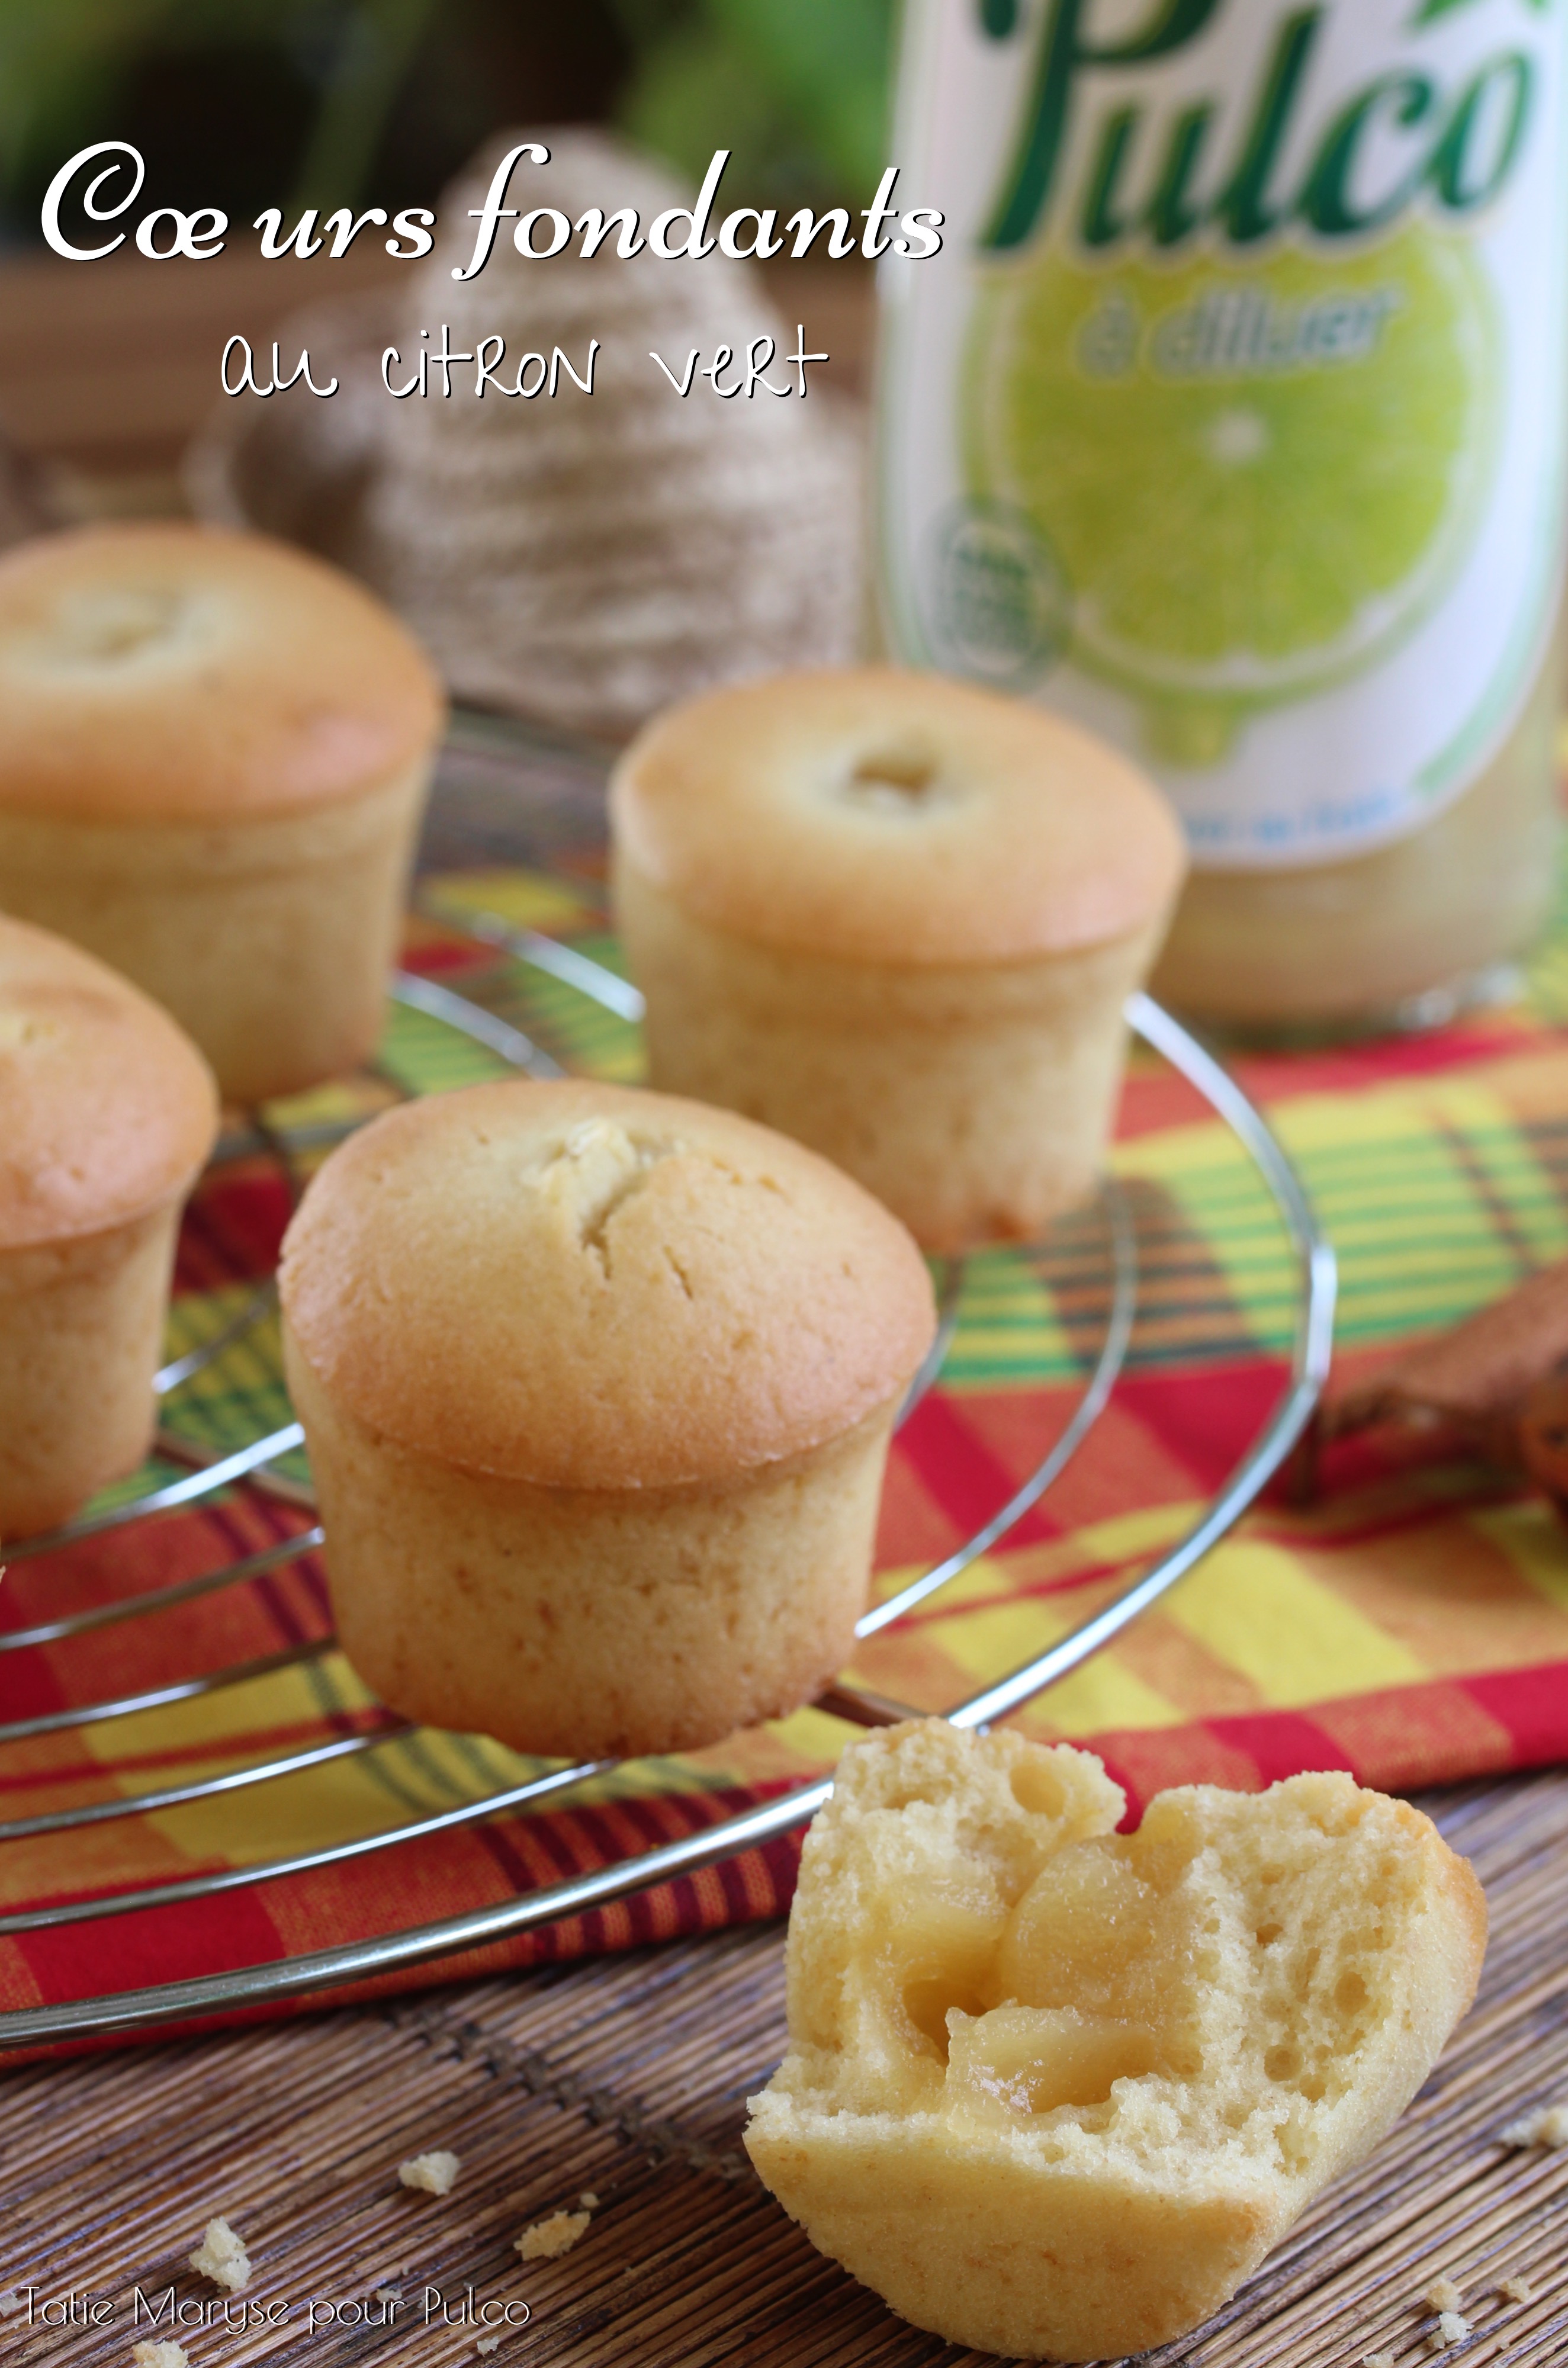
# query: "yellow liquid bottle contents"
{"type": "Point", "coordinates": [1230, 421]}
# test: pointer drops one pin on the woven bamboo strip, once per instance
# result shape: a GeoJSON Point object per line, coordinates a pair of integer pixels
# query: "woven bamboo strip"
{"type": "Point", "coordinates": [625, 2076]}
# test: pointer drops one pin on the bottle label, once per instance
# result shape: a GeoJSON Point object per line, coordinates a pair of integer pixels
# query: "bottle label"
{"type": "Point", "coordinates": [1230, 418]}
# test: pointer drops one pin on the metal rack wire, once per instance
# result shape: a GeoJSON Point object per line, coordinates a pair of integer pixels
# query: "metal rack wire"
{"type": "Point", "coordinates": [254, 1466]}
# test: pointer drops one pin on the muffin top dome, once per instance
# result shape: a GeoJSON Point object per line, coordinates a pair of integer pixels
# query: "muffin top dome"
{"type": "Point", "coordinates": [879, 816]}
{"type": "Point", "coordinates": [171, 673]}
{"type": "Point", "coordinates": [106, 1108]}
{"type": "Point", "coordinates": [588, 1286]}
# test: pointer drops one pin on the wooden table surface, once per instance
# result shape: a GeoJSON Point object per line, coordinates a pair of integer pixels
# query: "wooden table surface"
{"type": "Point", "coordinates": [626, 2076]}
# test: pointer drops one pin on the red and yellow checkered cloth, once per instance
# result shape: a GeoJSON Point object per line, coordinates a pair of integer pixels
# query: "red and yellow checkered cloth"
{"type": "Point", "coordinates": [1411, 1627]}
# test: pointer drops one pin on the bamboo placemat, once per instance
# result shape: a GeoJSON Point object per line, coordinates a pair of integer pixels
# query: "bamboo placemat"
{"type": "Point", "coordinates": [626, 2077]}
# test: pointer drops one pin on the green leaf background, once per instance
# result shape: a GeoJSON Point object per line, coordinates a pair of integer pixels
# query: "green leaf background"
{"type": "Point", "coordinates": [796, 89]}
{"type": "Point", "coordinates": [1430, 10]}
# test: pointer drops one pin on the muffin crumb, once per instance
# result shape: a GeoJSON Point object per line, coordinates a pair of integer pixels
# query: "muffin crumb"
{"type": "Point", "coordinates": [548, 2239]}
{"type": "Point", "coordinates": [1451, 2330]}
{"type": "Point", "coordinates": [222, 2257]}
{"type": "Point", "coordinates": [588, 2200]}
{"type": "Point", "coordinates": [1547, 2127]}
{"type": "Point", "coordinates": [435, 2173]}
{"type": "Point", "coordinates": [1516, 2290]}
{"type": "Point", "coordinates": [1441, 2294]}
{"type": "Point", "coordinates": [487, 2343]}
{"type": "Point", "coordinates": [160, 2355]}
{"type": "Point", "coordinates": [10, 2303]}
{"type": "Point", "coordinates": [1377, 2360]}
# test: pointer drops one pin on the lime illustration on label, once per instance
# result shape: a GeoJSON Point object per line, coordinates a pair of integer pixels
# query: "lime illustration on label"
{"type": "Point", "coordinates": [1228, 418]}
{"type": "Point", "coordinates": [1208, 456]}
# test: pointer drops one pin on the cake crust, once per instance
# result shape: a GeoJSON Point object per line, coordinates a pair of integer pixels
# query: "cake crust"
{"type": "Point", "coordinates": [172, 673]}
{"type": "Point", "coordinates": [631, 1291]}
{"type": "Point", "coordinates": [876, 815]}
{"type": "Point", "coordinates": [107, 1108]}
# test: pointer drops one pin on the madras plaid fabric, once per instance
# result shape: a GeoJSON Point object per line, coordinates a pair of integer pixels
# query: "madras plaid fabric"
{"type": "Point", "coordinates": [1411, 1626]}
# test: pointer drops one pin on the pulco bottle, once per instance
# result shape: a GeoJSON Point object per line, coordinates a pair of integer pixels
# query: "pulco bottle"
{"type": "Point", "coordinates": [1231, 420]}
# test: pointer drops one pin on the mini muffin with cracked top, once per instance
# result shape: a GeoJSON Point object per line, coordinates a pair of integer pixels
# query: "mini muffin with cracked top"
{"type": "Point", "coordinates": [215, 757]}
{"type": "Point", "coordinates": [897, 917]}
{"type": "Point", "coordinates": [106, 1115]}
{"type": "Point", "coordinates": [597, 1388]}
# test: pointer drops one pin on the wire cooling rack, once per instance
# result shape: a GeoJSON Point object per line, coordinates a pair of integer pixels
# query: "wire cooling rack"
{"type": "Point", "coordinates": [254, 1466]}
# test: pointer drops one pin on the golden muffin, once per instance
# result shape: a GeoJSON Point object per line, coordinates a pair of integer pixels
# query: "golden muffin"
{"type": "Point", "coordinates": [1053, 2092]}
{"type": "Point", "coordinates": [898, 918]}
{"type": "Point", "coordinates": [215, 755]}
{"type": "Point", "coordinates": [108, 1113]}
{"type": "Point", "coordinates": [597, 1388]}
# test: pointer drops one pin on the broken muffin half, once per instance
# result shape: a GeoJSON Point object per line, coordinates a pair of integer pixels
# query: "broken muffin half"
{"type": "Point", "coordinates": [1053, 2090]}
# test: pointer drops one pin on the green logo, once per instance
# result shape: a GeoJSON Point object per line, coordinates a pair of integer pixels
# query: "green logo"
{"type": "Point", "coordinates": [1456, 148]}
{"type": "Point", "coordinates": [1000, 607]}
